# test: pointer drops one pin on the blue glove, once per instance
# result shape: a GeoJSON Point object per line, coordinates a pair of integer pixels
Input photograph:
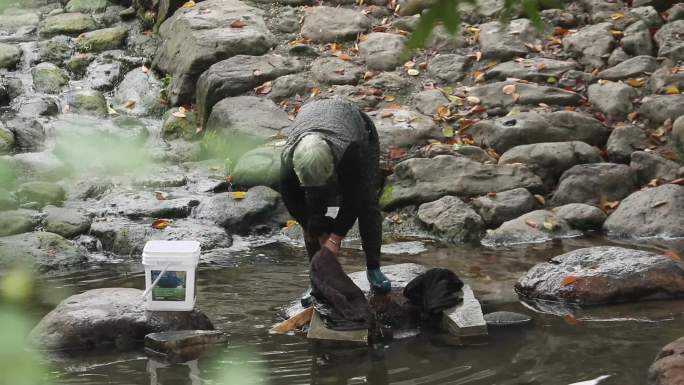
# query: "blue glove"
{"type": "Point", "coordinates": [378, 281]}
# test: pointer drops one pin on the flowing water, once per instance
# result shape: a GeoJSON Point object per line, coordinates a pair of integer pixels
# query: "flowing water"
{"type": "Point", "coordinates": [242, 289]}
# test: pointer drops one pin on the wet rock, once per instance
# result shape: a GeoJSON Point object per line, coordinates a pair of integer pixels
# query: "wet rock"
{"type": "Point", "coordinates": [43, 193]}
{"type": "Point", "coordinates": [382, 51]}
{"type": "Point", "coordinates": [327, 24]}
{"type": "Point", "coordinates": [631, 68]}
{"type": "Point", "coordinates": [505, 133]}
{"type": "Point", "coordinates": [504, 206]}
{"type": "Point", "coordinates": [258, 167]}
{"type": "Point", "coordinates": [427, 102]}
{"type": "Point", "coordinates": [103, 75]}
{"type": "Point", "coordinates": [38, 106]}
{"type": "Point", "coordinates": [654, 212]}
{"type": "Point", "coordinates": [502, 42]}
{"type": "Point", "coordinates": [602, 275]}
{"type": "Point", "coordinates": [48, 78]}
{"type": "Point", "coordinates": [138, 94]}
{"type": "Point", "coordinates": [41, 252]}
{"type": "Point", "coordinates": [14, 19]}
{"type": "Point", "coordinates": [533, 69]}
{"type": "Point", "coordinates": [550, 160]}
{"type": "Point", "coordinates": [421, 180]}
{"type": "Point", "coordinates": [43, 166]}
{"type": "Point", "coordinates": [387, 81]}
{"type": "Point", "coordinates": [452, 220]}
{"type": "Point", "coordinates": [659, 108]}
{"type": "Point", "coordinates": [239, 215]}
{"type": "Point", "coordinates": [55, 50]}
{"type": "Point", "coordinates": [73, 128]}
{"type": "Point", "coordinates": [507, 318]}
{"type": "Point", "coordinates": [403, 128]}
{"type": "Point", "coordinates": [590, 183]}
{"type": "Point", "coordinates": [126, 237]}
{"type": "Point", "coordinates": [7, 200]}
{"type": "Point", "coordinates": [669, 40]}
{"type": "Point", "coordinates": [534, 227]}
{"type": "Point", "coordinates": [10, 55]}
{"type": "Point", "coordinates": [104, 317]}
{"type": "Point", "coordinates": [581, 216]}
{"type": "Point", "coordinates": [238, 75]}
{"type": "Point", "coordinates": [88, 102]}
{"type": "Point", "coordinates": [206, 38]}
{"type": "Point", "coordinates": [332, 70]}
{"type": "Point", "coordinates": [29, 134]}
{"type": "Point", "coordinates": [649, 166]}
{"type": "Point", "coordinates": [249, 117]}
{"type": "Point", "coordinates": [491, 95]}
{"type": "Point", "coordinates": [78, 64]}
{"type": "Point", "coordinates": [86, 6]}
{"type": "Point", "coordinates": [611, 98]}
{"type": "Point", "coordinates": [145, 204]}
{"type": "Point", "coordinates": [637, 39]}
{"type": "Point", "coordinates": [183, 345]}
{"type": "Point", "coordinates": [6, 140]}
{"type": "Point", "coordinates": [143, 45]}
{"type": "Point", "coordinates": [290, 85]}
{"type": "Point", "coordinates": [71, 24]}
{"type": "Point", "coordinates": [623, 141]}
{"type": "Point", "coordinates": [465, 319]}
{"type": "Point", "coordinates": [102, 39]}
{"type": "Point", "coordinates": [591, 43]}
{"type": "Point", "coordinates": [471, 152]}
{"type": "Point", "coordinates": [18, 221]}
{"type": "Point", "coordinates": [179, 126]}
{"type": "Point", "coordinates": [449, 68]}
{"type": "Point", "coordinates": [668, 366]}
{"type": "Point", "coordinates": [66, 222]}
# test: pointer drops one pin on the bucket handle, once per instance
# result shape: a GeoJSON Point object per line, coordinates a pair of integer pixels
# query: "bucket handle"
{"type": "Point", "coordinates": [156, 281]}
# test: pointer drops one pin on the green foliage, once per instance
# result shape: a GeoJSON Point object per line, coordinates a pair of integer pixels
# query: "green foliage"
{"type": "Point", "coordinates": [448, 14]}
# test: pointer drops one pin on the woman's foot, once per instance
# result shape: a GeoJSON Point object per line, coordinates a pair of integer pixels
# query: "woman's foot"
{"type": "Point", "coordinates": [378, 281]}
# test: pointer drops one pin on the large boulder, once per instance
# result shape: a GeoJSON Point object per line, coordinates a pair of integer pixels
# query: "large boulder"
{"type": "Point", "coordinates": [668, 366]}
{"type": "Point", "coordinates": [404, 128]}
{"type": "Point", "coordinates": [551, 160]}
{"type": "Point", "coordinates": [637, 39]}
{"type": "Point", "coordinates": [327, 24]}
{"type": "Point", "coordinates": [86, 6]}
{"type": "Point", "coordinates": [18, 221]}
{"type": "Point", "coordinates": [493, 95]}
{"type": "Point", "coordinates": [591, 43]}
{"type": "Point", "coordinates": [104, 75]}
{"type": "Point", "coordinates": [659, 108]}
{"type": "Point", "coordinates": [650, 165]}
{"type": "Point", "coordinates": [241, 215]}
{"type": "Point", "coordinates": [498, 208]}
{"type": "Point", "coordinates": [66, 222]}
{"type": "Point", "coordinates": [42, 193]}
{"type": "Point", "coordinates": [623, 141]}
{"type": "Point", "coordinates": [237, 75]}
{"type": "Point", "coordinates": [258, 167]}
{"type": "Point", "coordinates": [194, 39]}
{"type": "Point", "coordinates": [55, 50]}
{"type": "Point", "coordinates": [534, 227]}
{"type": "Point", "coordinates": [382, 51]}
{"type": "Point", "coordinates": [669, 39]}
{"type": "Point", "coordinates": [505, 41]}
{"type": "Point", "coordinates": [603, 275]}
{"type": "Point", "coordinates": [29, 134]}
{"type": "Point", "coordinates": [10, 54]}
{"type": "Point", "coordinates": [452, 220]}
{"type": "Point", "coordinates": [421, 180]}
{"type": "Point", "coordinates": [71, 24]}
{"type": "Point", "coordinates": [87, 102]}
{"type": "Point", "coordinates": [48, 78]}
{"type": "Point", "coordinates": [595, 183]}
{"type": "Point", "coordinates": [138, 94]}
{"type": "Point", "coordinates": [105, 317]}
{"type": "Point", "coordinates": [654, 212]}
{"type": "Point", "coordinates": [505, 133]}
{"type": "Point", "coordinates": [102, 39]}
{"type": "Point", "coordinates": [145, 204]}
{"type": "Point", "coordinates": [611, 98]}
{"type": "Point", "coordinates": [634, 67]}
{"type": "Point", "coordinates": [581, 216]}
{"type": "Point", "coordinates": [41, 252]}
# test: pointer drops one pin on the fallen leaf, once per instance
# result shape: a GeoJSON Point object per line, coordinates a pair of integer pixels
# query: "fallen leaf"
{"type": "Point", "coordinates": [478, 56]}
{"type": "Point", "coordinates": [508, 89]}
{"type": "Point", "coordinates": [570, 319]}
{"type": "Point", "coordinates": [387, 114]}
{"type": "Point", "coordinates": [189, 4]}
{"type": "Point", "coordinates": [606, 205]}
{"type": "Point", "coordinates": [616, 33]}
{"type": "Point", "coordinates": [671, 90]}
{"type": "Point", "coordinates": [549, 225]}
{"type": "Point", "coordinates": [180, 113]}
{"type": "Point", "coordinates": [617, 16]}
{"type": "Point", "coordinates": [632, 116]}
{"type": "Point", "coordinates": [237, 24]}
{"type": "Point", "coordinates": [491, 194]}
{"type": "Point", "coordinates": [160, 224]}
{"type": "Point", "coordinates": [110, 110]}
{"type": "Point", "coordinates": [396, 152]}
{"type": "Point", "coordinates": [315, 92]}
{"type": "Point", "coordinates": [478, 76]}
{"type": "Point", "coordinates": [569, 280]}
{"type": "Point", "coordinates": [532, 224]}
{"type": "Point", "coordinates": [653, 182]}
{"type": "Point", "coordinates": [658, 204]}
{"type": "Point", "coordinates": [443, 111]}
{"type": "Point", "coordinates": [635, 82]}
{"type": "Point", "coordinates": [409, 64]}
{"type": "Point", "coordinates": [540, 199]}
{"type": "Point", "coordinates": [263, 89]}
{"type": "Point", "coordinates": [238, 195]}
{"type": "Point", "coordinates": [448, 132]}
{"type": "Point", "coordinates": [673, 254]}
{"type": "Point", "coordinates": [130, 104]}
{"type": "Point", "coordinates": [473, 100]}
{"type": "Point", "coordinates": [291, 223]}
{"type": "Point", "coordinates": [344, 56]}
{"type": "Point", "coordinates": [389, 98]}
{"type": "Point", "coordinates": [413, 72]}
{"type": "Point", "coordinates": [679, 181]}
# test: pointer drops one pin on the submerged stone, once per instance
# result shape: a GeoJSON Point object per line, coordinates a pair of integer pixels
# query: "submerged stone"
{"type": "Point", "coordinates": [507, 318]}
{"type": "Point", "coordinates": [183, 345]}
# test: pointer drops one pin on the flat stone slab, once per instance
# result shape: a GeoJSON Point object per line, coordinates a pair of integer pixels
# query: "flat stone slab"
{"type": "Point", "coordinates": [507, 318]}
{"type": "Point", "coordinates": [465, 319]}
{"type": "Point", "coordinates": [318, 331]}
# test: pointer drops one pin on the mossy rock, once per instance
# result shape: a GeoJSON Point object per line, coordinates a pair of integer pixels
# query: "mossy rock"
{"type": "Point", "coordinates": [7, 200]}
{"type": "Point", "coordinates": [40, 251]}
{"type": "Point", "coordinates": [13, 19]}
{"type": "Point", "coordinates": [56, 49]}
{"type": "Point", "coordinates": [48, 78]}
{"type": "Point", "coordinates": [71, 24]}
{"type": "Point", "coordinates": [178, 126]}
{"type": "Point", "coordinates": [259, 167]}
{"type": "Point", "coordinates": [43, 193]}
{"type": "Point", "coordinates": [78, 64]}
{"type": "Point", "coordinates": [102, 39]}
{"type": "Point", "coordinates": [10, 54]}
{"type": "Point", "coordinates": [87, 102]}
{"type": "Point", "coordinates": [6, 140]}
{"type": "Point", "coordinates": [18, 221]}
{"type": "Point", "coordinates": [86, 6]}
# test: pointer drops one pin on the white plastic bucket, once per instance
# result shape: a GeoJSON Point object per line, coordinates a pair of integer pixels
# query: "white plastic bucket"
{"type": "Point", "coordinates": [176, 262]}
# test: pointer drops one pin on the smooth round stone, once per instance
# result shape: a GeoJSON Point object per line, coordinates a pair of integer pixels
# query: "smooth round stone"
{"type": "Point", "coordinates": [506, 318]}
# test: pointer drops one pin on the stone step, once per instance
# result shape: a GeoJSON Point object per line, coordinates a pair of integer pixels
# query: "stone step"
{"type": "Point", "coordinates": [466, 318]}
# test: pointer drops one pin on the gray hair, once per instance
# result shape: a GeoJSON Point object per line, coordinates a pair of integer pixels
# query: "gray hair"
{"type": "Point", "coordinates": [313, 161]}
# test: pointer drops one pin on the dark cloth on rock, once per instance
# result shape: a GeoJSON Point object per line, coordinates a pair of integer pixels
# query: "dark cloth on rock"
{"type": "Point", "coordinates": [354, 143]}
{"type": "Point", "coordinates": [434, 291]}
{"type": "Point", "coordinates": [339, 302]}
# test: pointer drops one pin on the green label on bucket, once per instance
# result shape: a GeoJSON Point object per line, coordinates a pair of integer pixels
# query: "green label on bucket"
{"type": "Point", "coordinates": [171, 286]}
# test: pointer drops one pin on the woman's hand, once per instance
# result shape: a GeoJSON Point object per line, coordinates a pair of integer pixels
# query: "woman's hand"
{"type": "Point", "coordinates": [333, 243]}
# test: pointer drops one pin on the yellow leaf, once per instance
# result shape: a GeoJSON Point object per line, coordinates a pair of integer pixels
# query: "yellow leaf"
{"type": "Point", "coordinates": [616, 33]}
{"type": "Point", "coordinates": [130, 104]}
{"type": "Point", "coordinates": [315, 92]}
{"type": "Point", "coordinates": [478, 76]}
{"type": "Point", "coordinates": [238, 195]}
{"type": "Point", "coordinates": [617, 16]}
{"type": "Point", "coordinates": [671, 90]}
{"type": "Point", "coordinates": [160, 224]}
{"type": "Point", "coordinates": [448, 132]}
{"type": "Point", "coordinates": [635, 82]}
{"type": "Point", "coordinates": [443, 111]}
{"type": "Point", "coordinates": [413, 72]}
{"type": "Point", "coordinates": [291, 223]}
{"type": "Point", "coordinates": [189, 4]}
{"type": "Point", "coordinates": [548, 225]}
{"type": "Point", "coordinates": [389, 98]}
{"type": "Point", "coordinates": [540, 199]}
{"type": "Point", "coordinates": [569, 280]}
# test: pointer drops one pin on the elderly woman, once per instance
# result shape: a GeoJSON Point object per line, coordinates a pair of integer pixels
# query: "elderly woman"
{"type": "Point", "coordinates": [333, 152]}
